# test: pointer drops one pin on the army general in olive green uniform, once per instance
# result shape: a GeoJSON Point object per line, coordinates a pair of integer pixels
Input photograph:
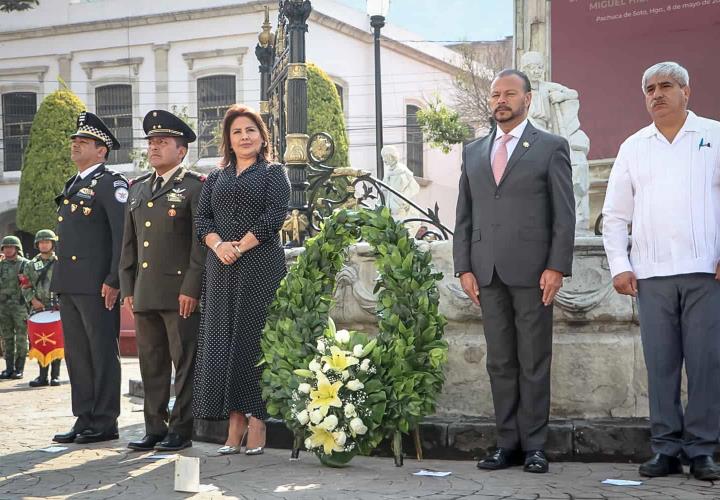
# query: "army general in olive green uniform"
{"type": "Point", "coordinates": [13, 311]}
{"type": "Point", "coordinates": [160, 275]}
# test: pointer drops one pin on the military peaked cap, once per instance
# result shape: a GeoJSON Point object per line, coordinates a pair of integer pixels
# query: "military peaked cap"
{"type": "Point", "coordinates": [91, 126]}
{"type": "Point", "coordinates": [161, 123]}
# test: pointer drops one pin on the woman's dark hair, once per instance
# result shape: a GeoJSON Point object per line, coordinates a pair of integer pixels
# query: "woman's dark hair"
{"type": "Point", "coordinates": [236, 110]}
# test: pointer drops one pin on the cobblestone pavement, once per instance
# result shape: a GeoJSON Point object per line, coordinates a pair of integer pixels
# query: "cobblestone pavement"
{"type": "Point", "coordinates": [29, 417]}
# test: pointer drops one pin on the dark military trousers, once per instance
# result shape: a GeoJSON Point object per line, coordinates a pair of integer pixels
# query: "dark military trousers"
{"type": "Point", "coordinates": [92, 353]}
{"type": "Point", "coordinates": [164, 340]}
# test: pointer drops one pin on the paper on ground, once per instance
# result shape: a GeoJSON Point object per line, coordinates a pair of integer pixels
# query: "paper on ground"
{"type": "Point", "coordinates": [431, 473]}
{"type": "Point", "coordinates": [187, 474]}
{"type": "Point", "coordinates": [622, 482]}
{"type": "Point", "coordinates": [53, 449]}
{"type": "Point", "coordinates": [160, 456]}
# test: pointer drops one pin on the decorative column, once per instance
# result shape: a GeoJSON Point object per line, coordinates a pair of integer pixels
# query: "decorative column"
{"type": "Point", "coordinates": [532, 31]}
{"type": "Point", "coordinates": [297, 13]}
{"type": "Point", "coordinates": [161, 75]}
{"type": "Point", "coordinates": [264, 52]}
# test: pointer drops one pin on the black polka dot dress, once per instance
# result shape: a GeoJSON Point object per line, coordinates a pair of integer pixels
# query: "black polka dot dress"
{"type": "Point", "coordinates": [235, 298]}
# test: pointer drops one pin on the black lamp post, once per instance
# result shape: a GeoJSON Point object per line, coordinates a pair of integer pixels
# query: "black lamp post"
{"type": "Point", "coordinates": [377, 10]}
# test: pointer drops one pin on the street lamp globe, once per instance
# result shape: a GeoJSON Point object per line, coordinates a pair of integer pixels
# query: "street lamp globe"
{"type": "Point", "coordinates": [378, 8]}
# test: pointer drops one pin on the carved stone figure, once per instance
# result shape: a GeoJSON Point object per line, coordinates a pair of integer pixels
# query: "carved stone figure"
{"type": "Point", "coordinates": [400, 178]}
{"type": "Point", "coordinates": [555, 108]}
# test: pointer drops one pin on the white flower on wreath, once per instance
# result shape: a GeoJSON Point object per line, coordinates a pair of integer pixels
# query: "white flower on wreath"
{"type": "Point", "coordinates": [321, 345]}
{"type": "Point", "coordinates": [365, 365]}
{"type": "Point", "coordinates": [345, 375]}
{"type": "Point", "coordinates": [316, 416]}
{"type": "Point", "coordinates": [350, 410]}
{"type": "Point", "coordinates": [355, 385]}
{"type": "Point", "coordinates": [357, 426]}
{"type": "Point", "coordinates": [342, 336]}
{"type": "Point", "coordinates": [340, 437]}
{"type": "Point", "coordinates": [303, 417]}
{"type": "Point", "coordinates": [330, 422]}
{"type": "Point", "coordinates": [314, 366]}
{"type": "Point", "coordinates": [305, 388]}
{"type": "Point", "coordinates": [358, 350]}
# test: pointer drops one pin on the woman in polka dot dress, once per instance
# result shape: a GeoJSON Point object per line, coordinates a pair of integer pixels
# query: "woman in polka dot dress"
{"type": "Point", "coordinates": [241, 210]}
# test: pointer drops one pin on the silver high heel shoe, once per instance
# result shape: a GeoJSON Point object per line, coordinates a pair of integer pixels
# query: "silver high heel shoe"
{"type": "Point", "coordinates": [233, 450]}
{"type": "Point", "coordinates": [259, 450]}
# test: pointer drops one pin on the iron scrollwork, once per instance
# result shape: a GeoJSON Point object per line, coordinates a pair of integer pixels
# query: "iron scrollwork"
{"type": "Point", "coordinates": [345, 187]}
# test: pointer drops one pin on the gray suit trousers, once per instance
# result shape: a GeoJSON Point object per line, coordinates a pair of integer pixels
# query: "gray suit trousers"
{"type": "Point", "coordinates": [680, 319]}
{"type": "Point", "coordinates": [518, 332]}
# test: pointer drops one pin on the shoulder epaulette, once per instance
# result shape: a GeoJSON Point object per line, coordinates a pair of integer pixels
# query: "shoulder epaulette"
{"type": "Point", "coordinates": [141, 178]}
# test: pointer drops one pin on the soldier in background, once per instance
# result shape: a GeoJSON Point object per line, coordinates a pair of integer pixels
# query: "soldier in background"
{"type": "Point", "coordinates": [160, 276]}
{"type": "Point", "coordinates": [91, 213]}
{"type": "Point", "coordinates": [38, 296]}
{"type": "Point", "coordinates": [13, 311]}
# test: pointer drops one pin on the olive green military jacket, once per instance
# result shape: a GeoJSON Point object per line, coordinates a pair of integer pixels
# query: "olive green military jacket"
{"type": "Point", "coordinates": [11, 294]}
{"type": "Point", "coordinates": [39, 273]}
{"type": "Point", "coordinates": [161, 257]}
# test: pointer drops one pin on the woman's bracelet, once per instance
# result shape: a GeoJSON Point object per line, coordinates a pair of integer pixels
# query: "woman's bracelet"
{"type": "Point", "coordinates": [216, 245]}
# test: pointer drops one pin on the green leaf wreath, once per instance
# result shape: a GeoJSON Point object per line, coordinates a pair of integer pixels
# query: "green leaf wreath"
{"type": "Point", "coordinates": [409, 353]}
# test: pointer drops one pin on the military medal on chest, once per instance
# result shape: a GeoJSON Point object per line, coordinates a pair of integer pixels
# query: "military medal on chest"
{"type": "Point", "coordinates": [172, 212]}
{"type": "Point", "coordinates": [176, 195]}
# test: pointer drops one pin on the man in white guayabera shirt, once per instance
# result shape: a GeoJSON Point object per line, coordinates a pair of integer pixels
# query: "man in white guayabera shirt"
{"type": "Point", "coordinates": [666, 183]}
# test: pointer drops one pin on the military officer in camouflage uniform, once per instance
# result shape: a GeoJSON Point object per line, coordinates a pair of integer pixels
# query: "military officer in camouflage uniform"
{"type": "Point", "coordinates": [91, 215]}
{"type": "Point", "coordinates": [160, 276]}
{"type": "Point", "coordinates": [38, 296]}
{"type": "Point", "coordinates": [13, 311]}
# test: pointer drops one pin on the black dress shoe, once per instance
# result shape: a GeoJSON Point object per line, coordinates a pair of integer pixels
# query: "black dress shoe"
{"type": "Point", "coordinates": [502, 458]}
{"type": "Point", "coordinates": [145, 444]}
{"type": "Point", "coordinates": [65, 437]}
{"type": "Point", "coordinates": [661, 465]}
{"type": "Point", "coordinates": [173, 442]}
{"type": "Point", "coordinates": [704, 468]}
{"type": "Point", "coordinates": [90, 436]}
{"type": "Point", "coordinates": [39, 382]}
{"type": "Point", "coordinates": [536, 462]}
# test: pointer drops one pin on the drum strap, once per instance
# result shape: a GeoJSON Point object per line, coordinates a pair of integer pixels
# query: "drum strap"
{"type": "Point", "coordinates": [42, 275]}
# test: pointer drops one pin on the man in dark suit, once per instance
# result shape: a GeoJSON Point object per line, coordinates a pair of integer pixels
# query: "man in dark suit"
{"type": "Point", "coordinates": [91, 210]}
{"type": "Point", "coordinates": [160, 276]}
{"type": "Point", "coordinates": [513, 243]}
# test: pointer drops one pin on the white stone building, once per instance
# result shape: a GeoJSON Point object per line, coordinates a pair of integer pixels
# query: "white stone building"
{"type": "Point", "coordinates": [124, 58]}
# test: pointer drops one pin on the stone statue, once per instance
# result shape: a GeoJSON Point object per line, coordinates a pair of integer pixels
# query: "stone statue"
{"type": "Point", "coordinates": [402, 180]}
{"type": "Point", "coordinates": [554, 108]}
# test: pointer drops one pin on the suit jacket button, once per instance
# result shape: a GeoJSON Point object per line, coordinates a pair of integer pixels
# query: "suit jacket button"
{"type": "Point", "coordinates": [65, 202]}
{"type": "Point", "coordinates": [146, 244]}
{"type": "Point", "coordinates": [150, 204]}
{"type": "Point", "coordinates": [144, 265]}
{"type": "Point", "coordinates": [148, 223]}
{"type": "Point", "coordinates": [60, 218]}
{"type": "Point", "coordinates": [74, 257]}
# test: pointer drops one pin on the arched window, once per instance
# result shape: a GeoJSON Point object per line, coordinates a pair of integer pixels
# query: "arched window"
{"type": "Point", "coordinates": [414, 140]}
{"type": "Point", "coordinates": [113, 104]}
{"type": "Point", "coordinates": [18, 112]}
{"type": "Point", "coordinates": [215, 94]}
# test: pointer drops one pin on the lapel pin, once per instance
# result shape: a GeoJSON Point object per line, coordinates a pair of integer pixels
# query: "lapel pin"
{"type": "Point", "coordinates": [526, 144]}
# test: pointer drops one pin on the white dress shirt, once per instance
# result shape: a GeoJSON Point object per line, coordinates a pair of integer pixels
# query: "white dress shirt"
{"type": "Point", "coordinates": [88, 171]}
{"type": "Point", "coordinates": [517, 132]}
{"type": "Point", "coordinates": [670, 193]}
{"type": "Point", "coordinates": [166, 176]}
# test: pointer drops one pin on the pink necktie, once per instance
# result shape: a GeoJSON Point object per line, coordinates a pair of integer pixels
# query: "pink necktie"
{"type": "Point", "coordinates": [501, 157]}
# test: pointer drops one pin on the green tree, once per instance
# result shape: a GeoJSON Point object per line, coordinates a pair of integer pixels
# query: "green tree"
{"type": "Point", "coordinates": [47, 164]}
{"type": "Point", "coordinates": [441, 126]}
{"type": "Point", "coordinates": [325, 113]}
{"type": "Point", "coordinates": [17, 5]}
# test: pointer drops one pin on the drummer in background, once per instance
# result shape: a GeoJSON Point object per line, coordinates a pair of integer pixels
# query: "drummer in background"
{"type": "Point", "coordinates": [39, 298]}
